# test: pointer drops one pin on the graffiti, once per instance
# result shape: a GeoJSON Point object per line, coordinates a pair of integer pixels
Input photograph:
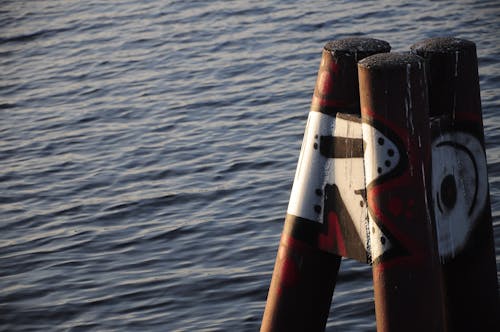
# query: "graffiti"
{"type": "Point", "coordinates": [329, 184]}
{"type": "Point", "coordinates": [383, 161]}
{"type": "Point", "coordinates": [342, 158]}
{"type": "Point", "coordinates": [372, 185]}
{"type": "Point", "coordinates": [331, 180]}
{"type": "Point", "coordinates": [340, 234]}
{"type": "Point", "coordinates": [306, 199]}
{"type": "Point", "coordinates": [341, 147]}
{"type": "Point", "coordinates": [381, 153]}
{"type": "Point", "coordinates": [459, 189]}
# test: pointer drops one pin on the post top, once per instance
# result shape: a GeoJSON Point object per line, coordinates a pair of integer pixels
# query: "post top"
{"type": "Point", "coordinates": [442, 45]}
{"type": "Point", "coordinates": [390, 60]}
{"type": "Point", "coordinates": [357, 44]}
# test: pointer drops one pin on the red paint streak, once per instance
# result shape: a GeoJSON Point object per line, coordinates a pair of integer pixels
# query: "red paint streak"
{"type": "Point", "coordinates": [317, 100]}
{"type": "Point", "coordinates": [289, 272]}
{"type": "Point", "coordinates": [334, 67]}
{"type": "Point", "coordinates": [325, 86]}
{"type": "Point", "coordinates": [400, 207]}
{"type": "Point", "coordinates": [298, 245]}
{"type": "Point", "coordinates": [333, 237]}
{"type": "Point", "coordinates": [469, 116]}
{"type": "Point", "coordinates": [289, 255]}
{"type": "Point", "coordinates": [325, 83]}
{"type": "Point", "coordinates": [395, 206]}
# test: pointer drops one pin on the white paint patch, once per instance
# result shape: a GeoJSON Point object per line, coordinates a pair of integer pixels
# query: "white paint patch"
{"type": "Point", "coordinates": [381, 154]}
{"type": "Point", "coordinates": [313, 169]}
{"type": "Point", "coordinates": [349, 176]}
{"type": "Point", "coordinates": [459, 189]}
{"type": "Point", "coordinates": [379, 243]}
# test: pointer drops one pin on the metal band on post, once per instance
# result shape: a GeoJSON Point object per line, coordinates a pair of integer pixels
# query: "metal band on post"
{"type": "Point", "coordinates": [460, 193]}
{"type": "Point", "coordinates": [308, 258]}
{"type": "Point", "coordinates": [406, 273]}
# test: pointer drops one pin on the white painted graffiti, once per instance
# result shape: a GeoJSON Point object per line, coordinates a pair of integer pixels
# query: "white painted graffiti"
{"type": "Point", "coordinates": [381, 154]}
{"type": "Point", "coordinates": [459, 189]}
{"type": "Point", "coordinates": [335, 153]}
{"type": "Point", "coordinates": [381, 158]}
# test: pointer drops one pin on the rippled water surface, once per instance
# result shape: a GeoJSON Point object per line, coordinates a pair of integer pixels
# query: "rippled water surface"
{"type": "Point", "coordinates": [147, 152]}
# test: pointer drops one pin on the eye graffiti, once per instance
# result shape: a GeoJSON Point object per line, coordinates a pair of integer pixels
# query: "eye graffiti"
{"type": "Point", "coordinates": [459, 189]}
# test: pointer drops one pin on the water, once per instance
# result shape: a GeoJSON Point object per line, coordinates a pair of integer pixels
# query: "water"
{"type": "Point", "coordinates": [147, 152]}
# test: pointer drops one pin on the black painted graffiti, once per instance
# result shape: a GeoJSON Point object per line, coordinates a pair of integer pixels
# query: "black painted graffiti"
{"type": "Point", "coordinates": [339, 228]}
{"type": "Point", "coordinates": [341, 147]}
{"type": "Point", "coordinates": [447, 193]}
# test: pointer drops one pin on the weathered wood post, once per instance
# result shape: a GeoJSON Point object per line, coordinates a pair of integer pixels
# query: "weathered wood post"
{"type": "Point", "coordinates": [460, 193]}
{"type": "Point", "coordinates": [308, 257]}
{"type": "Point", "coordinates": [406, 271]}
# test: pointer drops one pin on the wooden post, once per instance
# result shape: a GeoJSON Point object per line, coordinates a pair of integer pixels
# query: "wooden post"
{"type": "Point", "coordinates": [460, 194]}
{"type": "Point", "coordinates": [406, 273]}
{"type": "Point", "coordinates": [305, 271]}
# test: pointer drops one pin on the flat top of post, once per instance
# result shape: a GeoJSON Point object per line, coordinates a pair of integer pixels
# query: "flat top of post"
{"type": "Point", "coordinates": [390, 60]}
{"type": "Point", "coordinates": [442, 45]}
{"type": "Point", "coordinates": [357, 44]}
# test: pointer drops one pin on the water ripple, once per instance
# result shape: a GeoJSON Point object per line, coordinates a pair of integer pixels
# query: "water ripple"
{"type": "Point", "coordinates": [148, 151]}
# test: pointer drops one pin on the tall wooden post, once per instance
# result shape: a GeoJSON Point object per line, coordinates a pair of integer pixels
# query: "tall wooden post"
{"type": "Point", "coordinates": [306, 268]}
{"type": "Point", "coordinates": [460, 193]}
{"type": "Point", "coordinates": [406, 273]}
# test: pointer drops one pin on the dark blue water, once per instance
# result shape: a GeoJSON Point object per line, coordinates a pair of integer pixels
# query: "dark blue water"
{"type": "Point", "coordinates": [148, 148]}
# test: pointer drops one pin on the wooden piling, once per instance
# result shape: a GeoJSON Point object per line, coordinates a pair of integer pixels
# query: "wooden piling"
{"type": "Point", "coordinates": [406, 272]}
{"type": "Point", "coordinates": [460, 193]}
{"type": "Point", "coordinates": [305, 271]}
